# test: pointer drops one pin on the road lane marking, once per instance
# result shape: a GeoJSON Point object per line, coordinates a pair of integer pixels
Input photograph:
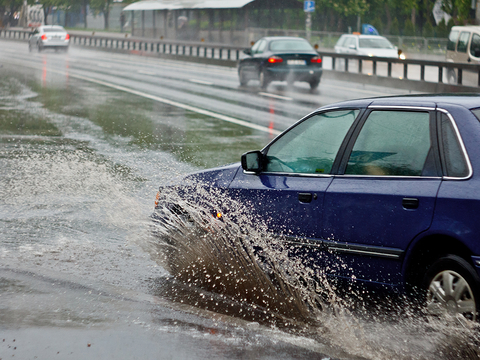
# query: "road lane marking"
{"type": "Point", "coordinates": [200, 82]}
{"type": "Point", "coordinates": [179, 105]}
{"type": "Point", "coordinates": [275, 96]}
{"type": "Point", "coordinates": [105, 66]}
{"type": "Point", "coordinates": [146, 72]}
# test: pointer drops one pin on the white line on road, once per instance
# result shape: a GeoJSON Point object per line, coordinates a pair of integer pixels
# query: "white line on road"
{"type": "Point", "coordinates": [105, 66]}
{"type": "Point", "coordinates": [200, 82]}
{"type": "Point", "coordinates": [180, 105]}
{"type": "Point", "coordinates": [275, 96]}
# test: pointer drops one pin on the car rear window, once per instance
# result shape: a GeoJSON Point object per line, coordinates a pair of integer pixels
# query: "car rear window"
{"type": "Point", "coordinates": [477, 113]}
{"type": "Point", "coordinates": [375, 43]}
{"type": "Point", "coordinates": [55, 29]}
{"type": "Point", "coordinates": [290, 45]}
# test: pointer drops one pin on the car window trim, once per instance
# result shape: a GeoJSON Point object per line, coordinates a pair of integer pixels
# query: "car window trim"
{"type": "Point", "coordinates": [462, 146]}
{"type": "Point", "coordinates": [348, 150]}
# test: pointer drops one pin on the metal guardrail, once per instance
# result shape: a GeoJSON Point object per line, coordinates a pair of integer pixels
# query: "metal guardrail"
{"type": "Point", "coordinates": [229, 55]}
{"type": "Point", "coordinates": [169, 47]}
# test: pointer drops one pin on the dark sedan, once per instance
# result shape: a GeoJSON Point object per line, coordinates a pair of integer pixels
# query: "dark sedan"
{"type": "Point", "coordinates": [281, 59]}
{"type": "Point", "coordinates": [381, 191]}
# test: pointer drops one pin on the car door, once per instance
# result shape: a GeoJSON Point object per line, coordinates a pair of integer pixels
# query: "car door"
{"type": "Point", "coordinates": [251, 64]}
{"type": "Point", "coordinates": [462, 46]}
{"type": "Point", "coordinates": [287, 196]}
{"type": "Point", "coordinates": [384, 194]}
{"type": "Point", "coordinates": [474, 48]}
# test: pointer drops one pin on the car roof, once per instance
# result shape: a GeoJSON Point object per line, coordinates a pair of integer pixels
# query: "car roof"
{"type": "Point", "coordinates": [59, 27]}
{"type": "Point", "coordinates": [467, 27]}
{"type": "Point", "coordinates": [271, 38]}
{"type": "Point", "coordinates": [361, 36]}
{"type": "Point", "coordinates": [469, 101]}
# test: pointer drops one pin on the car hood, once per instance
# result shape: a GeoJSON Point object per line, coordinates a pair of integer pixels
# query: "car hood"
{"type": "Point", "coordinates": [391, 53]}
{"type": "Point", "coordinates": [218, 177]}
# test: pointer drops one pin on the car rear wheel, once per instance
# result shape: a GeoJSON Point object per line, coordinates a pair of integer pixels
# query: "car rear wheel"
{"type": "Point", "coordinates": [264, 80]}
{"type": "Point", "coordinates": [314, 83]}
{"type": "Point", "coordinates": [453, 287]}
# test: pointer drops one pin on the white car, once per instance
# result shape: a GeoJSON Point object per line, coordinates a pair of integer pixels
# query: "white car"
{"type": "Point", "coordinates": [49, 37]}
{"type": "Point", "coordinates": [367, 45]}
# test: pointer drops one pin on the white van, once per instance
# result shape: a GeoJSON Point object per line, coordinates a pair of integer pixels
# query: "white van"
{"type": "Point", "coordinates": [463, 47]}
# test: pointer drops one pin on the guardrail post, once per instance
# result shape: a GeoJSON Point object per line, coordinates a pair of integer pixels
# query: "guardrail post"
{"type": "Point", "coordinates": [205, 52]}
{"type": "Point", "coordinates": [440, 74]}
{"type": "Point", "coordinates": [346, 65]}
{"type": "Point", "coordinates": [374, 70]}
{"type": "Point", "coordinates": [460, 77]}
{"type": "Point", "coordinates": [405, 71]}
{"type": "Point", "coordinates": [389, 69]}
{"type": "Point", "coordinates": [220, 53]}
{"type": "Point", "coordinates": [333, 63]}
{"type": "Point", "coordinates": [422, 72]}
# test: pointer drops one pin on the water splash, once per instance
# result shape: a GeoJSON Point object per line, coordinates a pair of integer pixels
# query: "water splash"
{"type": "Point", "coordinates": [236, 256]}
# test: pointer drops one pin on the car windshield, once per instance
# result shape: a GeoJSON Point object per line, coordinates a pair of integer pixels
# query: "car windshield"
{"type": "Point", "coordinates": [290, 45]}
{"type": "Point", "coordinates": [54, 29]}
{"type": "Point", "coordinates": [379, 43]}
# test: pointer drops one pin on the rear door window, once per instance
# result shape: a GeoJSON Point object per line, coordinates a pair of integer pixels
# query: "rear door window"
{"type": "Point", "coordinates": [463, 42]}
{"type": "Point", "coordinates": [393, 143]}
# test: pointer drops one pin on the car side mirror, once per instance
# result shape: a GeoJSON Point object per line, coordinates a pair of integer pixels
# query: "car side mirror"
{"type": "Point", "coordinates": [247, 51]}
{"type": "Point", "coordinates": [252, 161]}
{"type": "Point", "coordinates": [353, 47]}
{"type": "Point", "coordinates": [477, 53]}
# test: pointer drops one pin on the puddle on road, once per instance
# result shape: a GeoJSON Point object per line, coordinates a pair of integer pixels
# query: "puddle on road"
{"type": "Point", "coordinates": [80, 167]}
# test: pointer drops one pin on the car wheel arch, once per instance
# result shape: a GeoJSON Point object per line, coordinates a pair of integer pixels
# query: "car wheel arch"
{"type": "Point", "coordinates": [425, 251]}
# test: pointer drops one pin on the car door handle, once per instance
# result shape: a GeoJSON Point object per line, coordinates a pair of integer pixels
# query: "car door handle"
{"type": "Point", "coordinates": [306, 197]}
{"type": "Point", "coordinates": [410, 203]}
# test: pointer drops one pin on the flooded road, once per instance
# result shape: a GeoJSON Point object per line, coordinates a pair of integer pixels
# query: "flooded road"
{"type": "Point", "coordinates": [81, 163]}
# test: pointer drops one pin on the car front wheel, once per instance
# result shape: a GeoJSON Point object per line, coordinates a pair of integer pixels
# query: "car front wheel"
{"type": "Point", "coordinates": [453, 287]}
{"type": "Point", "coordinates": [242, 77]}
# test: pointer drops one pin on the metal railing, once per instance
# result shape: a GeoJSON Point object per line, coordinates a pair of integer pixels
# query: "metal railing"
{"type": "Point", "coordinates": [459, 76]}
{"type": "Point", "coordinates": [167, 47]}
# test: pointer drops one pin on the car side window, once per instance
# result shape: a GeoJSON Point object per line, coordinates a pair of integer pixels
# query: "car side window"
{"type": "Point", "coordinates": [312, 145]}
{"type": "Point", "coordinates": [454, 159]}
{"type": "Point", "coordinates": [393, 143]}
{"type": "Point", "coordinates": [452, 40]}
{"type": "Point", "coordinates": [463, 42]}
{"type": "Point", "coordinates": [475, 45]}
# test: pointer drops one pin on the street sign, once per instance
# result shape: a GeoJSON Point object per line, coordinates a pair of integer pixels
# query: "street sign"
{"type": "Point", "coordinates": [309, 6]}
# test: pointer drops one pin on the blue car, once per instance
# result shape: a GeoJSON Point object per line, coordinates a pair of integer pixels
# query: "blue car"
{"type": "Point", "coordinates": [386, 189]}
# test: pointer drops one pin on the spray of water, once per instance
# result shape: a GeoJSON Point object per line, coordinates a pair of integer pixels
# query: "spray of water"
{"type": "Point", "coordinates": [236, 255]}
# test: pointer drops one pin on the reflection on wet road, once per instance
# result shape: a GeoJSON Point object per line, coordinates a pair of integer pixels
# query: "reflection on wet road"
{"type": "Point", "coordinates": [80, 166]}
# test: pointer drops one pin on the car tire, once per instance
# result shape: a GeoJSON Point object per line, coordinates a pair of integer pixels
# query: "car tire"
{"type": "Point", "coordinates": [452, 77]}
{"type": "Point", "coordinates": [264, 80]}
{"type": "Point", "coordinates": [243, 79]}
{"type": "Point", "coordinates": [314, 83]}
{"type": "Point", "coordinates": [452, 286]}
